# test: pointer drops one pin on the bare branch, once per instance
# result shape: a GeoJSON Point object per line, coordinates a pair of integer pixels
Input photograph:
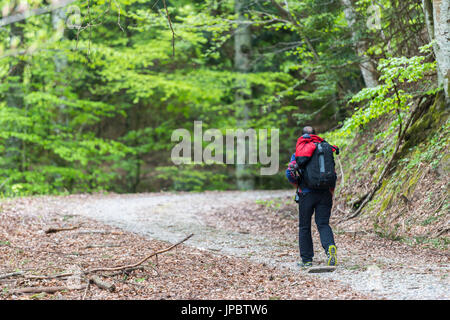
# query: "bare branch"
{"type": "Point", "coordinates": [171, 28]}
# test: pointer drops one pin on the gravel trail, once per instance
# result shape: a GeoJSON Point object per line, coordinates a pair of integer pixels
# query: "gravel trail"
{"type": "Point", "coordinates": [381, 268]}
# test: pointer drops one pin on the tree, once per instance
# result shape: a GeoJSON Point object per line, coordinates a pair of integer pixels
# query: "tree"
{"type": "Point", "coordinates": [436, 18]}
{"type": "Point", "coordinates": [368, 70]}
{"type": "Point", "coordinates": [14, 97]}
{"type": "Point", "coordinates": [242, 55]}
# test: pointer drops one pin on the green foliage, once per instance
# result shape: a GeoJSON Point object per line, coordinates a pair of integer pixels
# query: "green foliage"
{"type": "Point", "coordinates": [430, 150]}
{"type": "Point", "coordinates": [392, 95]}
{"type": "Point", "coordinates": [186, 179]}
{"type": "Point", "coordinates": [93, 109]}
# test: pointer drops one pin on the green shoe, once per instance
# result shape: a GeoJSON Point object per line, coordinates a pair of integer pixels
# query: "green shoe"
{"type": "Point", "coordinates": [331, 254]}
{"type": "Point", "coordinates": [305, 264]}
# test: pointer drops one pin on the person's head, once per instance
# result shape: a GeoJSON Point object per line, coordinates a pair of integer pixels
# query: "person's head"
{"type": "Point", "coordinates": [308, 130]}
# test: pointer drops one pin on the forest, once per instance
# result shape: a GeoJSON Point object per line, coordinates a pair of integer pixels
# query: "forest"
{"type": "Point", "coordinates": [91, 91]}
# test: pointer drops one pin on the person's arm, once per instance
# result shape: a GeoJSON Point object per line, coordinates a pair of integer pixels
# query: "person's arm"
{"type": "Point", "coordinates": [335, 149]}
{"type": "Point", "coordinates": [291, 173]}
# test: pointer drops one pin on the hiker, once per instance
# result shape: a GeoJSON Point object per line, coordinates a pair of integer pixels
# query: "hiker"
{"type": "Point", "coordinates": [311, 171]}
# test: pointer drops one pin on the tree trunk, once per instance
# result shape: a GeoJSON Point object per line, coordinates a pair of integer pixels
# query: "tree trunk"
{"type": "Point", "coordinates": [242, 49]}
{"type": "Point", "coordinates": [15, 99]}
{"type": "Point", "coordinates": [58, 23]}
{"type": "Point", "coordinates": [437, 21]}
{"type": "Point", "coordinates": [367, 68]}
{"type": "Point", "coordinates": [59, 58]}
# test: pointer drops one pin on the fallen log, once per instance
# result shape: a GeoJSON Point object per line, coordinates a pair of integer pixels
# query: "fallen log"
{"type": "Point", "coordinates": [98, 232]}
{"type": "Point", "coordinates": [440, 233]}
{"type": "Point", "coordinates": [125, 271]}
{"type": "Point", "coordinates": [107, 245]}
{"type": "Point", "coordinates": [415, 114]}
{"type": "Point", "coordinates": [119, 268]}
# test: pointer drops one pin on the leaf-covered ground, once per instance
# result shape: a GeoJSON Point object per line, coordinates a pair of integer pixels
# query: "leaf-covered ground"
{"type": "Point", "coordinates": [244, 247]}
{"type": "Point", "coordinates": [183, 273]}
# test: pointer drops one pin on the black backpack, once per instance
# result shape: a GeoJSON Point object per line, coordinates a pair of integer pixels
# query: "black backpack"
{"type": "Point", "coordinates": [319, 172]}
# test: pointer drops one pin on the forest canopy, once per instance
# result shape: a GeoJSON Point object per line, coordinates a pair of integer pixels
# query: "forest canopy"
{"type": "Point", "coordinates": [91, 90]}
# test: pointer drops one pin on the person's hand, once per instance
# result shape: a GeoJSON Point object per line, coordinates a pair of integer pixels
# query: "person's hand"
{"type": "Point", "coordinates": [336, 149]}
{"type": "Point", "coordinates": [293, 168]}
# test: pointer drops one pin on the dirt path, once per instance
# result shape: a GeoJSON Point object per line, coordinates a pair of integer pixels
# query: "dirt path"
{"type": "Point", "coordinates": [169, 217]}
{"type": "Point", "coordinates": [249, 225]}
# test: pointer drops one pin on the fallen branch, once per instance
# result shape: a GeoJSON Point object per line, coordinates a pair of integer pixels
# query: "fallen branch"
{"type": "Point", "coordinates": [102, 284]}
{"type": "Point", "coordinates": [9, 275]}
{"type": "Point", "coordinates": [45, 289]}
{"type": "Point", "coordinates": [171, 28]}
{"type": "Point", "coordinates": [141, 261]}
{"type": "Point", "coordinates": [56, 276]}
{"type": "Point", "coordinates": [96, 280]}
{"type": "Point", "coordinates": [107, 245]}
{"type": "Point", "coordinates": [119, 268]}
{"type": "Point", "coordinates": [54, 230]}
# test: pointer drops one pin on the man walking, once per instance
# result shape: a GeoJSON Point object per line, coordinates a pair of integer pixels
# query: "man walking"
{"type": "Point", "coordinates": [313, 160]}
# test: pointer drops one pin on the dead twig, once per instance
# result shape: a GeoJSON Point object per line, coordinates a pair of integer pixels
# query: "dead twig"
{"type": "Point", "coordinates": [125, 271]}
{"type": "Point", "coordinates": [171, 28]}
{"type": "Point", "coordinates": [54, 229]}
{"type": "Point", "coordinates": [141, 261]}
{"type": "Point", "coordinates": [9, 275]}
{"type": "Point", "coordinates": [106, 245]}
{"type": "Point", "coordinates": [440, 233]}
{"type": "Point", "coordinates": [86, 291]}
{"type": "Point", "coordinates": [119, 268]}
{"type": "Point", "coordinates": [342, 173]}
{"type": "Point", "coordinates": [56, 276]}
{"type": "Point", "coordinates": [100, 283]}
{"type": "Point", "coordinates": [45, 289]}
{"type": "Point", "coordinates": [98, 232]}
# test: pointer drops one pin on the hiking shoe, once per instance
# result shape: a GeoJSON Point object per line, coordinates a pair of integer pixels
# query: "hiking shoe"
{"type": "Point", "coordinates": [307, 264]}
{"type": "Point", "coordinates": [331, 254]}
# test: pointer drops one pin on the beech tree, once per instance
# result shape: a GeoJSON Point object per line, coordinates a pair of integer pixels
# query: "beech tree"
{"type": "Point", "coordinates": [437, 21]}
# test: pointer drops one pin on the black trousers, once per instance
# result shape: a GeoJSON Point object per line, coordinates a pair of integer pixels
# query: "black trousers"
{"type": "Point", "coordinates": [321, 203]}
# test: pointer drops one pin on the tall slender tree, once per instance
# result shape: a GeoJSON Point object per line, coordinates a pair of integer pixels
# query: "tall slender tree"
{"type": "Point", "coordinates": [242, 50]}
{"type": "Point", "coordinates": [437, 21]}
{"type": "Point", "coordinates": [367, 68]}
{"type": "Point", "coordinates": [15, 95]}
